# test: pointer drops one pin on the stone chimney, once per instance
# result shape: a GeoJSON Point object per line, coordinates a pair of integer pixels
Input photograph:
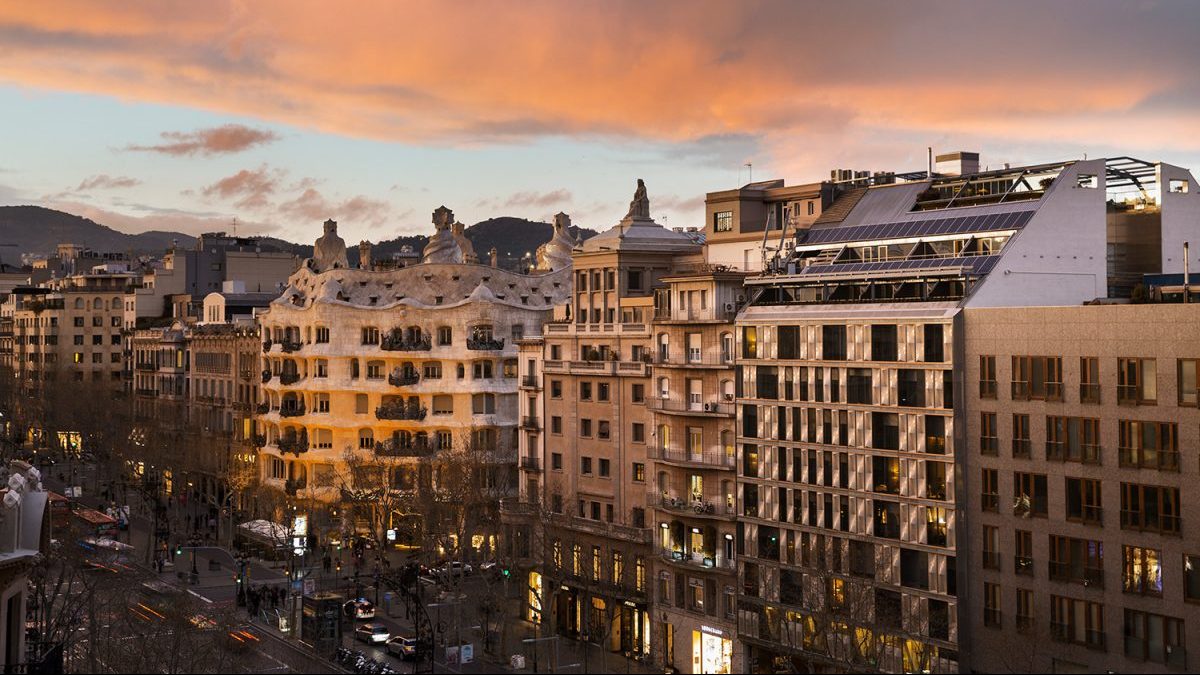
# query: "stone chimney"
{"type": "Point", "coordinates": [495, 257]}
{"type": "Point", "coordinates": [364, 255]}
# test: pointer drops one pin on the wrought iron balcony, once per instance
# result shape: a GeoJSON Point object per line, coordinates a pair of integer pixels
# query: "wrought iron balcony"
{"type": "Point", "coordinates": [487, 344]}
{"type": "Point", "coordinates": [395, 341]}
{"type": "Point", "coordinates": [287, 378]}
{"type": "Point", "coordinates": [531, 463]}
{"type": "Point", "coordinates": [291, 410]}
{"type": "Point", "coordinates": [263, 408]}
{"type": "Point", "coordinates": [267, 346]}
{"type": "Point", "coordinates": [293, 485]}
{"type": "Point", "coordinates": [293, 444]}
{"type": "Point", "coordinates": [402, 379]}
{"type": "Point", "coordinates": [400, 411]}
{"type": "Point", "coordinates": [530, 422]}
{"type": "Point", "coordinates": [290, 346]}
{"type": "Point", "coordinates": [391, 448]}
{"type": "Point", "coordinates": [266, 376]}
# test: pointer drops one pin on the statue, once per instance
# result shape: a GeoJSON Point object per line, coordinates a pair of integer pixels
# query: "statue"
{"type": "Point", "coordinates": [556, 253]}
{"type": "Point", "coordinates": [329, 252]}
{"type": "Point", "coordinates": [364, 255]}
{"type": "Point", "coordinates": [639, 208]}
{"type": "Point", "coordinates": [442, 246]}
{"type": "Point", "coordinates": [464, 244]}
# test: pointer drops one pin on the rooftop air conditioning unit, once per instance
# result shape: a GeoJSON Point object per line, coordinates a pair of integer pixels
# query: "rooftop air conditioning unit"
{"type": "Point", "coordinates": [729, 307]}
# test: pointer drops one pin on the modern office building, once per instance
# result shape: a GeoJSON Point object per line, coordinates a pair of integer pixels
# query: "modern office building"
{"type": "Point", "coordinates": [856, 441]}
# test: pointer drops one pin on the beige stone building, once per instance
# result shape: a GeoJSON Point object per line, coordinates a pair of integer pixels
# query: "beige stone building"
{"type": "Point", "coordinates": [396, 364]}
{"type": "Point", "coordinates": [1082, 442]}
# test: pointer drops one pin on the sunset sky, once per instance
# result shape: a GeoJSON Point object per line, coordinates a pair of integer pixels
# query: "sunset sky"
{"type": "Point", "coordinates": [148, 115]}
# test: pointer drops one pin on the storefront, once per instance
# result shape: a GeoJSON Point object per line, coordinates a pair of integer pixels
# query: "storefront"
{"type": "Point", "coordinates": [712, 651]}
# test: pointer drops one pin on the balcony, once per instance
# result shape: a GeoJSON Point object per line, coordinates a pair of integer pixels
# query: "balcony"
{"type": "Point", "coordinates": [699, 560]}
{"type": "Point", "coordinates": [1088, 576]}
{"type": "Point", "coordinates": [262, 408]}
{"type": "Point", "coordinates": [293, 485]}
{"type": "Point", "coordinates": [1023, 565]}
{"type": "Point", "coordinates": [287, 378]}
{"type": "Point", "coordinates": [146, 366]}
{"type": "Point", "coordinates": [256, 441]}
{"type": "Point", "coordinates": [141, 391]}
{"type": "Point", "coordinates": [291, 410]}
{"type": "Point", "coordinates": [693, 360]}
{"type": "Point", "coordinates": [266, 376]}
{"type": "Point", "coordinates": [267, 346]}
{"type": "Point", "coordinates": [531, 382]}
{"type": "Point", "coordinates": [485, 343]}
{"type": "Point", "coordinates": [707, 506]}
{"type": "Point", "coordinates": [293, 444]}
{"type": "Point", "coordinates": [1089, 393]}
{"type": "Point", "coordinates": [402, 379]}
{"type": "Point", "coordinates": [637, 535]}
{"type": "Point", "coordinates": [676, 407]}
{"type": "Point", "coordinates": [530, 422]}
{"type": "Point", "coordinates": [400, 411]}
{"type": "Point", "coordinates": [720, 458]}
{"type": "Point", "coordinates": [392, 448]}
{"type": "Point", "coordinates": [531, 463]}
{"type": "Point", "coordinates": [290, 346]}
{"type": "Point", "coordinates": [396, 341]}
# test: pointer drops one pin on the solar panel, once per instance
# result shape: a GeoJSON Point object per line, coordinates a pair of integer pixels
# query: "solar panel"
{"type": "Point", "coordinates": [917, 228]}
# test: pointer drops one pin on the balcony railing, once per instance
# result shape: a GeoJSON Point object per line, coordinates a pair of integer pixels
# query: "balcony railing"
{"type": "Point", "coordinates": [290, 346]}
{"type": "Point", "coordinates": [267, 346]}
{"type": "Point", "coordinates": [396, 341]}
{"type": "Point", "coordinates": [146, 392]}
{"type": "Point", "coordinates": [392, 448]}
{"type": "Point", "coordinates": [1141, 458]}
{"type": "Point", "coordinates": [266, 376]}
{"type": "Point", "coordinates": [531, 463]}
{"type": "Point", "coordinates": [293, 444]}
{"type": "Point", "coordinates": [403, 379]}
{"type": "Point", "coordinates": [146, 366]}
{"type": "Point", "coordinates": [530, 381]}
{"type": "Point", "coordinates": [530, 422]}
{"type": "Point", "coordinates": [1087, 453]}
{"type": "Point", "coordinates": [483, 343]}
{"type": "Point", "coordinates": [291, 410]}
{"type": "Point", "coordinates": [1089, 393]}
{"type": "Point", "coordinates": [706, 505]}
{"type": "Point", "coordinates": [991, 560]}
{"type": "Point", "coordinates": [287, 378]}
{"type": "Point", "coordinates": [715, 457]}
{"type": "Point", "coordinates": [262, 408]}
{"type": "Point", "coordinates": [400, 411]}
{"type": "Point", "coordinates": [699, 559]}
{"type": "Point", "coordinates": [291, 486]}
{"type": "Point", "coordinates": [687, 407]}
{"type": "Point", "coordinates": [1088, 576]}
{"type": "Point", "coordinates": [1023, 565]}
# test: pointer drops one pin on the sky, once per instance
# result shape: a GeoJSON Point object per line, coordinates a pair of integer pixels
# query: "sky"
{"type": "Point", "coordinates": [186, 115]}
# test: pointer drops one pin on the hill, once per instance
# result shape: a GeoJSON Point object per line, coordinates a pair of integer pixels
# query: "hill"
{"type": "Point", "coordinates": [38, 230]}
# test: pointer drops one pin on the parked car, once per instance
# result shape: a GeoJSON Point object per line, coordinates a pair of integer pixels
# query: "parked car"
{"type": "Point", "coordinates": [361, 609]}
{"type": "Point", "coordinates": [373, 633]}
{"type": "Point", "coordinates": [452, 569]}
{"type": "Point", "coordinates": [402, 646]}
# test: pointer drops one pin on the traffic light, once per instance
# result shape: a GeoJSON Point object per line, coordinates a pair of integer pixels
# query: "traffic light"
{"type": "Point", "coordinates": [178, 549]}
{"type": "Point", "coordinates": [506, 572]}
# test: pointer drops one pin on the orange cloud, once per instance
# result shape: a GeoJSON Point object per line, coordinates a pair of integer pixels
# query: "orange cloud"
{"type": "Point", "coordinates": [106, 182]}
{"type": "Point", "coordinates": [250, 188]}
{"type": "Point", "coordinates": [312, 206]}
{"type": "Point", "coordinates": [818, 78]}
{"type": "Point", "coordinates": [225, 139]}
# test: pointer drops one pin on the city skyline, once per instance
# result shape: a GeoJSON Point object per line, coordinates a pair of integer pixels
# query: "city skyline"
{"type": "Point", "coordinates": [146, 118]}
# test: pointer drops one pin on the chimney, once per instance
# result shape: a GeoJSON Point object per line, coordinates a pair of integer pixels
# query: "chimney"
{"type": "Point", "coordinates": [960, 163]}
{"type": "Point", "coordinates": [364, 255]}
{"type": "Point", "coordinates": [495, 257]}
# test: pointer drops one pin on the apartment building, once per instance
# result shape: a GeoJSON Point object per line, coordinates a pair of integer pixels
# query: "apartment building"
{"type": "Point", "coordinates": [398, 364]}
{"type": "Point", "coordinates": [72, 328]}
{"type": "Point", "coordinates": [692, 462]}
{"type": "Point", "coordinates": [854, 432]}
{"type": "Point", "coordinates": [1082, 444]}
{"type": "Point", "coordinates": [747, 226]}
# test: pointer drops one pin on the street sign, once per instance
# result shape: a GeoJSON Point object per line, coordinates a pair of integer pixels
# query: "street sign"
{"type": "Point", "coordinates": [310, 586]}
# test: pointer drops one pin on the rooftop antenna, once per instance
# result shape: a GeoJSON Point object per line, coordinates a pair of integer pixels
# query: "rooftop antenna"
{"type": "Point", "coordinates": [235, 226]}
{"type": "Point", "coordinates": [750, 168]}
{"type": "Point", "coordinates": [929, 170]}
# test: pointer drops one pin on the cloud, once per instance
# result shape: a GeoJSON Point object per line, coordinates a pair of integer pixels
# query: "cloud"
{"type": "Point", "coordinates": [539, 199]}
{"type": "Point", "coordinates": [162, 219]}
{"type": "Point", "coordinates": [313, 206]}
{"type": "Point", "coordinates": [105, 182]}
{"type": "Point", "coordinates": [222, 140]}
{"type": "Point", "coordinates": [249, 188]}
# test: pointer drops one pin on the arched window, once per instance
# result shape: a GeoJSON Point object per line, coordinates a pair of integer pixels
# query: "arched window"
{"type": "Point", "coordinates": [726, 347]}
{"type": "Point", "coordinates": [664, 387]}
{"type": "Point", "coordinates": [727, 390]}
{"type": "Point", "coordinates": [664, 437]}
{"type": "Point", "coordinates": [78, 303]}
{"type": "Point", "coordinates": [366, 439]}
{"type": "Point", "coordinates": [116, 303]}
{"type": "Point", "coordinates": [664, 348]}
{"type": "Point", "coordinates": [97, 304]}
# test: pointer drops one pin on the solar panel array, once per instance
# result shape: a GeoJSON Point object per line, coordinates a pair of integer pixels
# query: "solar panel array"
{"type": "Point", "coordinates": [1011, 220]}
{"type": "Point", "coordinates": [976, 264]}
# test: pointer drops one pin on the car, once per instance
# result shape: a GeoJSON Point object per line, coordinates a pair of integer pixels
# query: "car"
{"type": "Point", "coordinates": [453, 569]}
{"type": "Point", "coordinates": [361, 609]}
{"type": "Point", "coordinates": [372, 633]}
{"type": "Point", "coordinates": [402, 646]}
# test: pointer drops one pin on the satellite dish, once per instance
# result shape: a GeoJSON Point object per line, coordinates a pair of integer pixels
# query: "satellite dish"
{"type": "Point", "coordinates": [11, 499]}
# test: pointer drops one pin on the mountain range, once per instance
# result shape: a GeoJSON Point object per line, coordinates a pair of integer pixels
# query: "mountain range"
{"type": "Point", "coordinates": [35, 230]}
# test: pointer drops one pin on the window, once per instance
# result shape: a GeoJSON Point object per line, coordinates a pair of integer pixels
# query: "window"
{"type": "Point", "coordinates": [911, 385]}
{"type": "Point", "coordinates": [1029, 494]}
{"type": "Point", "coordinates": [585, 466]}
{"type": "Point", "coordinates": [639, 472]}
{"type": "Point", "coordinates": [1150, 507]}
{"type": "Point", "coordinates": [322, 368]}
{"type": "Point", "coordinates": [361, 406]}
{"type": "Point", "coordinates": [556, 424]}
{"type": "Point", "coordinates": [1137, 381]}
{"type": "Point", "coordinates": [935, 480]}
{"type": "Point", "coordinates": [556, 389]}
{"type": "Point", "coordinates": [585, 391]}
{"type": "Point", "coordinates": [1021, 445]}
{"type": "Point", "coordinates": [935, 351]}
{"type": "Point", "coordinates": [1177, 186]}
{"type": "Point", "coordinates": [1083, 500]}
{"type": "Point", "coordinates": [603, 431]}
{"type": "Point", "coordinates": [1154, 637]}
{"type": "Point", "coordinates": [833, 343]}
{"type": "Point", "coordinates": [634, 279]}
{"type": "Point", "coordinates": [884, 343]}
{"type": "Point", "coordinates": [989, 443]}
{"type": "Point", "coordinates": [749, 342]}
{"type": "Point", "coordinates": [602, 391]}
{"type": "Point", "coordinates": [556, 461]}
{"type": "Point", "coordinates": [991, 547]}
{"type": "Point", "coordinates": [1036, 378]}
{"type": "Point", "coordinates": [1077, 560]}
{"type": "Point", "coordinates": [987, 377]}
{"type": "Point", "coordinates": [482, 370]}
{"type": "Point", "coordinates": [322, 335]}
{"type": "Point", "coordinates": [585, 428]}
{"type": "Point", "coordinates": [991, 605]}
{"type": "Point", "coordinates": [374, 370]}
{"type": "Point", "coordinates": [885, 473]}
{"type": "Point", "coordinates": [1023, 558]}
{"type": "Point", "coordinates": [886, 518]}
{"type": "Point", "coordinates": [1024, 614]}
{"type": "Point", "coordinates": [935, 434]}
{"type": "Point", "coordinates": [443, 404]}
{"type": "Point", "coordinates": [1191, 577]}
{"type": "Point", "coordinates": [723, 221]}
{"type": "Point", "coordinates": [431, 370]}
{"type": "Point", "coordinates": [637, 393]}
{"type": "Point", "coordinates": [989, 491]}
{"type": "Point", "coordinates": [370, 335]}
{"type": "Point", "coordinates": [1073, 439]}
{"type": "Point", "coordinates": [638, 432]}
{"type": "Point", "coordinates": [1089, 379]}
{"type": "Point", "coordinates": [858, 385]}
{"type": "Point", "coordinates": [1149, 445]}
{"type": "Point", "coordinates": [1077, 621]}
{"type": "Point", "coordinates": [483, 404]}
{"type": "Point", "coordinates": [1141, 570]}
